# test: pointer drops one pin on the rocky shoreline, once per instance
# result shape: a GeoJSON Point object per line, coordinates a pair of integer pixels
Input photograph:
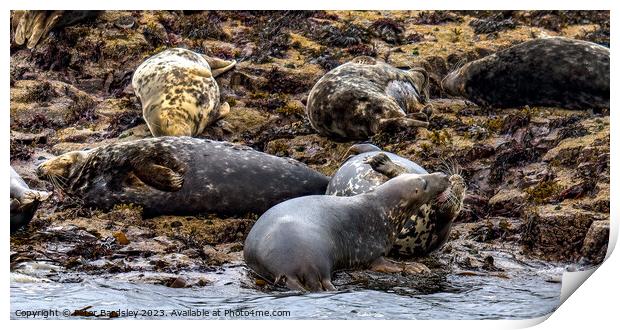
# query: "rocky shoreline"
{"type": "Point", "coordinates": [538, 178]}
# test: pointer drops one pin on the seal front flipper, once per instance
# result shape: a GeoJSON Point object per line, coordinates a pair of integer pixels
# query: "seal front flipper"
{"type": "Point", "coordinates": [384, 265]}
{"type": "Point", "coordinates": [159, 177]}
{"type": "Point", "coordinates": [389, 124]}
{"type": "Point", "coordinates": [383, 164]}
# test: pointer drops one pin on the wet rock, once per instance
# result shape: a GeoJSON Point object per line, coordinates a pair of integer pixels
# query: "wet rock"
{"type": "Point", "coordinates": [558, 231]}
{"type": "Point", "coordinates": [595, 243]}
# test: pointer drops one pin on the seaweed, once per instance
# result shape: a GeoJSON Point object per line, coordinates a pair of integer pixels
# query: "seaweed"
{"type": "Point", "coordinates": [349, 34]}
{"type": "Point", "coordinates": [437, 17]}
{"type": "Point", "coordinates": [388, 30]}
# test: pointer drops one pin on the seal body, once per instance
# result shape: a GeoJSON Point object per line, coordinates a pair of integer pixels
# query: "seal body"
{"type": "Point", "coordinates": [24, 201]}
{"type": "Point", "coordinates": [364, 96]}
{"type": "Point", "coordinates": [556, 71]}
{"type": "Point", "coordinates": [178, 92]}
{"type": "Point", "coordinates": [181, 175]}
{"type": "Point", "coordinates": [304, 240]}
{"type": "Point", "coordinates": [427, 229]}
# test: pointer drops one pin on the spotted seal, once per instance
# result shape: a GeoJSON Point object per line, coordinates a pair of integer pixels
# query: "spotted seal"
{"type": "Point", "coordinates": [302, 241]}
{"type": "Point", "coordinates": [426, 230]}
{"type": "Point", "coordinates": [178, 91]}
{"type": "Point", "coordinates": [557, 71]}
{"type": "Point", "coordinates": [24, 201]}
{"type": "Point", "coordinates": [181, 175]}
{"type": "Point", "coordinates": [362, 97]}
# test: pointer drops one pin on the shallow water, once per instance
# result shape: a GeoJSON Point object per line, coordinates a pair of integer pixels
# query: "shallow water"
{"type": "Point", "coordinates": [528, 293]}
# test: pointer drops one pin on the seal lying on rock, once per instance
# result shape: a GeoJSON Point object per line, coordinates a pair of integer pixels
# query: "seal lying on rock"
{"type": "Point", "coordinates": [24, 201]}
{"type": "Point", "coordinates": [181, 175]}
{"type": "Point", "coordinates": [364, 96]}
{"type": "Point", "coordinates": [32, 25]}
{"type": "Point", "coordinates": [556, 71]}
{"type": "Point", "coordinates": [178, 91]}
{"type": "Point", "coordinates": [304, 240]}
{"type": "Point", "coordinates": [427, 229]}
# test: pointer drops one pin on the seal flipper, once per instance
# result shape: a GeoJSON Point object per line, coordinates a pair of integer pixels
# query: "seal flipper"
{"type": "Point", "coordinates": [159, 177]}
{"type": "Point", "coordinates": [383, 164]}
{"type": "Point", "coordinates": [219, 66]}
{"type": "Point", "coordinates": [387, 124]}
{"type": "Point", "coordinates": [384, 265]}
{"type": "Point", "coordinates": [359, 148]}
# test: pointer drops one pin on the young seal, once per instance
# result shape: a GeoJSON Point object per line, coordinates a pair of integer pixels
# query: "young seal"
{"type": "Point", "coordinates": [178, 92]}
{"type": "Point", "coordinates": [181, 175]}
{"type": "Point", "coordinates": [24, 201]}
{"type": "Point", "coordinates": [364, 96]}
{"type": "Point", "coordinates": [425, 231]}
{"type": "Point", "coordinates": [304, 240]}
{"type": "Point", "coordinates": [562, 72]}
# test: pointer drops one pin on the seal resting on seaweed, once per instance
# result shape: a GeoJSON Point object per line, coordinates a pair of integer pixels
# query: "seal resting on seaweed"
{"type": "Point", "coordinates": [303, 241]}
{"type": "Point", "coordinates": [556, 72]}
{"type": "Point", "coordinates": [365, 96]}
{"type": "Point", "coordinates": [181, 175]}
{"type": "Point", "coordinates": [178, 91]}
{"type": "Point", "coordinates": [426, 230]}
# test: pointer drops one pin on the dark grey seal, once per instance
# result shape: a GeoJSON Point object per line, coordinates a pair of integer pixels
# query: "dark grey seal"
{"type": "Point", "coordinates": [426, 230]}
{"type": "Point", "coordinates": [562, 72]}
{"type": "Point", "coordinates": [365, 96]}
{"type": "Point", "coordinates": [181, 175]}
{"type": "Point", "coordinates": [24, 201]}
{"type": "Point", "coordinates": [302, 241]}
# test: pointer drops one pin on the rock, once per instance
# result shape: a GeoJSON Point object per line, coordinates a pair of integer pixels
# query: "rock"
{"type": "Point", "coordinates": [557, 232]}
{"type": "Point", "coordinates": [43, 104]}
{"type": "Point", "coordinates": [176, 283]}
{"type": "Point", "coordinates": [595, 244]}
{"type": "Point", "coordinates": [507, 202]}
{"type": "Point", "coordinates": [121, 238]}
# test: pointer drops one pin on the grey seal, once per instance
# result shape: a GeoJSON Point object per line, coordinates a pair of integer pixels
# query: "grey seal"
{"type": "Point", "coordinates": [303, 241]}
{"type": "Point", "coordinates": [178, 91]}
{"type": "Point", "coordinates": [429, 228]}
{"type": "Point", "coordinates": [557, 71]}
{"type": "Point", "coordinates": [24, 201]}
{"type": "Point", "coordinates": [181, 175]}
{"type": "Point", "coordinates": [362, 97]}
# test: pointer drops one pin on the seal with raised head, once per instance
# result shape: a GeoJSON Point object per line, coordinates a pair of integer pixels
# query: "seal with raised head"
{"type": "Point", "coordinates": [556, 71]}
{"type": "Point", "coordinates": [362, 97]}
{"type": "Point", "coordinates": [181, 175]}
{"type": "Point", "coordinates": [303, 241]}
{"type": "Point", "coordinates": [178, 91]}
{"type": "Point", "coordinates": [24, 201]}
{"type": "Point", "coordinates": [429, 228]}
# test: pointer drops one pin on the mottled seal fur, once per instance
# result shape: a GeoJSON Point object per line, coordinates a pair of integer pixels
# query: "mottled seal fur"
{"type": "Point", "coordinates": [426, 230]}
{"type": "Point", "coordinates": [181, 175]}
{"type": "Point", "coordinates": [302, 241]}
{"type": "Point", "coordinates": [365, 96]}
{"type": "Point", "coordinates": [557, 71]}
{"type": "Point", "coordinates": [179, 94]}
{"type": "Point", "coordinates": [24, 201]}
